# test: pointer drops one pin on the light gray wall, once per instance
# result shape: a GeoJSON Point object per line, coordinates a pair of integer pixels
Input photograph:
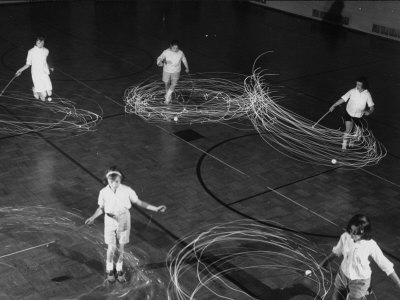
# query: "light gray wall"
{"type": "Point", "coordinates": [375, 17]}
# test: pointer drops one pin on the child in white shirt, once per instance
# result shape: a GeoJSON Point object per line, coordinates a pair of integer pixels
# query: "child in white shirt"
{"type": "Point", "coordinates": [115, 201]}
{"type": "Point", "coordinates": [357, 99]}
{"type": "Point", "coordinates": [357, 247]}
{"type": "Point", "coordinates": [37, 60]}
{"type": "Point", "coordinates": [171, 60]}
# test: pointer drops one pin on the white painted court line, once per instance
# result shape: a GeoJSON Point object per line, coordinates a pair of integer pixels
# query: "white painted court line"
{"type": "Point", "coordinates": [27, 249]}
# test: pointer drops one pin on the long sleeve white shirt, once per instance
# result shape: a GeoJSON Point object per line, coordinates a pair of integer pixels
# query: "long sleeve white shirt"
{"type": "Point", "coordinates": [356, 257]}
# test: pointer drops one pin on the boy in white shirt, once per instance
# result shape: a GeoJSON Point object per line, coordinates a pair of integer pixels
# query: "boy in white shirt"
{"type": "Point", "coordinates": [357, 247]}
{"type": "Point", "coordinates": [171, 60]}
{"type": "Point", "coordinates": [358, 99]}
{"type": "Point", "coordinates": [115, 201]}
{"type": "Point", "coordinates": [37, 60]}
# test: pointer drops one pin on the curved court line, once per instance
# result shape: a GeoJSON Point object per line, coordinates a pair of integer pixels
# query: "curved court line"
{"type": "Point", "coordinates": [199, 176]}
{"type": "Point", "coordinates": [206, 153]}
{"type": "Point", "coordinates": [198, 170]}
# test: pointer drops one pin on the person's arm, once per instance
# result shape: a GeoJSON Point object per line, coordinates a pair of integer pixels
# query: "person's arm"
{"type": "Point", "coordinates": [97, 213]}
{"type": "Point", "coordinates": [336, 251]}
{"type": "Point", "coordinates": [161, 208]}
{"type": "Point", "coordinates": [184, 60]}
{"type": "Point", "coordinates": [395, 278]}
{"type": "Point", "coordinates": [343, 99]}
{"type": "Point", "coordinates": [27, 64]}
{"type": "Point", "coordinates": [49, 62]}
{"type": "Point", "coordinates": [19, 72]}
{"type": "Point", "coordinates": [161, 59]}
{"type": "Point", "coordinates": [327, 260]}
{"type": "Point", "coordinates": [340, 101]}
{"type": "Point", "coordinates": [370, 105]}
{"type": "Point", "coordinates": [370, 110]}
{"type": "Point", "coordinates": [384, 264]}
{"type": "Point", "coordinates": [135, 200]}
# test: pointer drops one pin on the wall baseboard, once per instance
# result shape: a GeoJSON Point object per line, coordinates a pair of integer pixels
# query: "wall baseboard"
{"type": "Point", "coordinates": [330, 17]}
{"type": "Point", "coordinates": [386, 31]}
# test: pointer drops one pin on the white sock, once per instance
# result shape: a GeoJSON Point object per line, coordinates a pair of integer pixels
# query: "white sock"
{"type": "Point", "coordinates": [119, 266]}
{"type": "Point", "coordinates": [344, 144]}
{"type": "Point", "coordinates": [168, 95]}
{"type": "Point", "coordinates": [110, 266]}
{"type": "Point", "coordinates": [358, 133]}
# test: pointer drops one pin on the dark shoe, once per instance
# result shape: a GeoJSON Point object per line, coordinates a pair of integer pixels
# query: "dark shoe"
{"type": "Point", "coordinates": [121, 277]}
{"type": "Point", "coordinates": [111, 276]}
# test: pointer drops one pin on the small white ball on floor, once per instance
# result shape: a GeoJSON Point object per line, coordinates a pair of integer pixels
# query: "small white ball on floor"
{"type": "Point", "coordinates": [333, 161]}
{"type": "Point", "coordinates": [307, 272]}
{"type": "Point", "coordinates": [175, 119]}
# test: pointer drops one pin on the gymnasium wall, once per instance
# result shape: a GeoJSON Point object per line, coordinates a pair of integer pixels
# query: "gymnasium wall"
{"type": "Point", "coordinates": [19, 1]}
{"type": "Point", "coordinates": [380, 18]}
{"type": "Point", "coordinates": [24, 1]}
{"type": "Point", "coordinates": [33, 1]}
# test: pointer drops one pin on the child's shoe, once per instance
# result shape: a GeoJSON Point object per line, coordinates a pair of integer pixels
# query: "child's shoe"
{"type": "Point", "coordinates": [121, 277]}
{"type": "Point", "coordinates": [110, 276]}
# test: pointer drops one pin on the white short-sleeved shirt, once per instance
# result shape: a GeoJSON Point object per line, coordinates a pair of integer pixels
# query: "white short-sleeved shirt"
{"type": "Point", "coordinates": [173, 60]}
{"type": "Point", "coordinates": [357, 102]}
{"type": "Point", "coordinates": [118, 202]}
{"type": "Point", "coordinates": [37, 59]}
{"type": "Point", "coordinates": [355, 264]}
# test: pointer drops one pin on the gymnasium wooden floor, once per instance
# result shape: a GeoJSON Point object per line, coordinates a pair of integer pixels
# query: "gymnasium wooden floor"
{"type": "Point", "coordinates": [99, 49]}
